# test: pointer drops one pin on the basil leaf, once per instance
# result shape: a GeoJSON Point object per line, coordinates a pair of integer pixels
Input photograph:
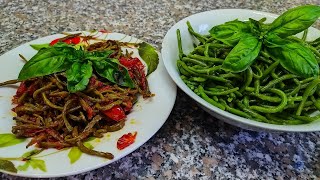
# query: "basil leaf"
{"type": "Point", "coordinates": [7, 166]}
{"type": "Point", "coordinates": [9, 140]}
{"type": "Point", "coordinates": [243, 54]}
{"type": "Point", "coordinates": [78, 76]}
{"type": "Point", "coordinates": [258, 28]}
{"type": "Point", "coordinates": [39, 46]}
{"type": "Point", "coordinates": [230, 32]}
{"type": "Point", "coordinates": [24, 167]}
{"type": "Point", "coordinates": [45, 62]}
{"type": "Point", "coordinates": [38, 164]}
{"type": "Point", "coordinates": [112, 70]}
{"type": "Point", "coordinates": [93, 55]}
{"type": "Point", "coordinates": [149, 55]}
{"type": "Point", "coordinates": [75, 153]}
{"type": "Point", "coordinates": [295, 20]}
{"type": "Point", "coordinates": [293, 56]}
{"type": "Point", "coordinates": [31, 153]}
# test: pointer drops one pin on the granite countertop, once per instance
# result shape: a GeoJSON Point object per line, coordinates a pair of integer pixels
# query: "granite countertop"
{"type": "Point", "coordinates": [191, 144]}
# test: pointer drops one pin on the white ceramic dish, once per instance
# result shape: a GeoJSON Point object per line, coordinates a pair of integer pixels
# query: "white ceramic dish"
{"type": "Point", "coordinates": [142, 119]}
{"type": "Point", "coordinates": [202, 23]}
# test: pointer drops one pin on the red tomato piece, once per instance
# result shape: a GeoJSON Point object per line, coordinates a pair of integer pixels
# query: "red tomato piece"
{"type": "Point", "coordinates": [126, 140]}
{"type": "Point", "coordinates": [115, 113]}
{"type": "Point", "coordinates": [94, 82]}
{"type": "Point", "coordinates": [74, 40]}
{"type": "Point", "coordinates": [54, 42]}
{"type": "Point", "coordinates": [128, 106]}
{"type": "Point", "coordinates": [103, 88]}
{"type": "Point", "coordinates": [131, 63]}
{"type": "Point", "coordinates": [32, 88]}
{"type": "Point", "coordinates": [89, 111]}
{"type": "Point", "coordinates": [22, 89]}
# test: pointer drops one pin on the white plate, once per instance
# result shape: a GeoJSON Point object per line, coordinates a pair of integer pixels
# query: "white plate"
{"type": "Point", "coordinates": [142, 119]}
{"type": "Point", "coordinates": [202, 23]}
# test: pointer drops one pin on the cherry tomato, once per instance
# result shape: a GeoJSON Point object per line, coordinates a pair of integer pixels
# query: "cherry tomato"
{"type": "Point", "coordinates": [115, 113]}
{"type": "Point", "coordinates": [54, 41]}
{"type": "Point", "coordinates": [126, 140]}
{"type": "Point", "coordinates": [74, 40]}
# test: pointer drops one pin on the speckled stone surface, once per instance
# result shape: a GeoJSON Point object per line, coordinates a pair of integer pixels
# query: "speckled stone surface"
{"type": "Point", "coordinates": [191, 144]}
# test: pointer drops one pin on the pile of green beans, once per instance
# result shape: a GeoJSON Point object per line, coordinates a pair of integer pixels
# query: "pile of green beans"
{"type": "Point", "coordinates": [264, 92]}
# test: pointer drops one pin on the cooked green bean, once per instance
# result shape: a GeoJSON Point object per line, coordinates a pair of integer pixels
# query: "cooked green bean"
{"type": "Point", "coordinates": [306, 94]}
{"type": "Point", "coordinates": [305, 34]}
{"type": "Point", "coordinates": [265, 91]}
{"type": "Point", "coordinates": [205, 70]}
{"type": "Point", "coordinates": [249, 76]}
{"type": "Point", "coordinates": [276, 81]}
{"type": "Point", "coordinates": [209, 100]}
{"type": "Point", "coordinates": [206, 50]}
{"type": "Point", "coordinates": [206, 59]}
{"type": "Point", "coordinates": [256, 86]}
{"type": "Point", "coordinates": [215, 93]}
{"type": "Point", "coordinates": [201, 38]}
{"type": "Point", "coordinates": [269, 69]}
{"type": "Point", "coordinates": [234, 111]}
{"type": "Point", "coordinates": [296, 89]}
{"type": "Point", "coordinates": [179, 44]}
{"type": "Point", "coordinates": [266, 97]}
{"type": "Point", "coordinates": [194, 61]}
{"type": "Point", "coordinates": [260, 73]}
{"type": "Point", "coordinates": [280, 107]}
{"type": "Point", "coordinates": [252, 113]}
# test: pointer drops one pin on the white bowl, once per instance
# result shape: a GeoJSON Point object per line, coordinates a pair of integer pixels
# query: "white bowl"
{"type": "Point", "coordinates": [202, 22]}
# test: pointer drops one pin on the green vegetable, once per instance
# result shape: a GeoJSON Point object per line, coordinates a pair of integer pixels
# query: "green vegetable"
{"type": "Point", "coordinates": [257, 28]}
{"type": "Point", "coordinates": [230, 32]}
{"type": "Point", "coordinates": [9, 140]}
{"type": "Point", "coordinates": [46, 61]}
{"type": "Point", "coordinates": [31, 153]}
{"type": "Point", "coordinates": [295, 20]}
{"type": "Point", "coordinates": [35, 164]}
{"type": "Point", "coordinates": [293, 56]}
{"type": "Point", "coordinates": [78, 76]}
{"type": "Point", "coordinates": [75, 153]}
{"type": "Point", "coordinates": [7, 166]}
{"type": "Point", "coordinates": [79, 63]}
{"type": "Point", "coordinates": [149, 55]}
{"type": "Point", "coordinates": [263, 73]}
{"type": "Point", "coordinates": [243, 54]}
{"type": "Point", "coordinates": [112, 70]}
{"type": "Point", "coordinates": [39, 46]}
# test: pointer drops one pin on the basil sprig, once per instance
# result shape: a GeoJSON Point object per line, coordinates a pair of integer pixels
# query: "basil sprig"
{"type": "Point", "coordinates": [78, 64]}
{"type": "Point", "coordinates": [230, 32]}
{"type": "Point", "coordinates": [243, 54]}
{"type": "Point", "coordinates": [293, 56]}
{"type": "Point", "coordinates": [249, 37]}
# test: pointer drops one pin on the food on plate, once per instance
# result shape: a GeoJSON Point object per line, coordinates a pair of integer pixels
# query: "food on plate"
{"type": "Point", "coordinates": [257, 70]}
{"type": "Point", "coordinates": [77, 87]}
